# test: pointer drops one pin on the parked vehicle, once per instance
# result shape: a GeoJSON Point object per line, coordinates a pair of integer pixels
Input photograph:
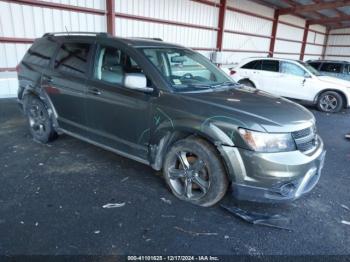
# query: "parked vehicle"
{"type": "Point", "coordinates": [339, 69]}
{"type": "Point", "coordinates": [169, 107]}
{"type": "Point", "coordinates": [296, 80]}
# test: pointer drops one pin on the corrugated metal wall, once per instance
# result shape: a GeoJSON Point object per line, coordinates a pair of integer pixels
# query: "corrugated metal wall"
{"type": "Point", "coordinates": [338, 46]}
{"type": "Point", "coordinates": [248, 28]}
{"type": "Point", "coordinates": [25, 21]}
{"type": "Point", "coordinates": [180, 11]}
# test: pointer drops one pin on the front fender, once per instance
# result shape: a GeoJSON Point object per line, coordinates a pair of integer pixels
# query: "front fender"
{"type": "Point", "coordinates": [167, 132]}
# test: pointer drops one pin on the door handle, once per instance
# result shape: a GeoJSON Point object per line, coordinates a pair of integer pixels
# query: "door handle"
{"type": "Point", "coordinates": [94, 91]}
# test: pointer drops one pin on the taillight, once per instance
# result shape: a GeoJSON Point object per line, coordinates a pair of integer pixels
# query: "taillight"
{"type": "Point", "coordinates": [232, 72]}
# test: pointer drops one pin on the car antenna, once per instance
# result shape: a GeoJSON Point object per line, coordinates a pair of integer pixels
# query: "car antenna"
{"type": "Point", "coordinates": [66, 30]}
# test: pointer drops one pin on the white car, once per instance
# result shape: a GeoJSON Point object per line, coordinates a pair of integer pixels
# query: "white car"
{"type": "Point", "coordinates": [294, 79]}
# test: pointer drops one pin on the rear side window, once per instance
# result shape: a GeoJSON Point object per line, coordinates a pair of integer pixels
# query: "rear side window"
{"type": "Point", "coordinates": [331, 67]}
{"type": "Point", "coordinates": [72, 58]}
{"type": "Point", "coordinates": [256, 64]}
{"type": "Point", "coordinates": [270, 65]}
{"type": "Point", "coordinates": [41, 52]}
{"type": "Point", "coordinates": [315, 65]}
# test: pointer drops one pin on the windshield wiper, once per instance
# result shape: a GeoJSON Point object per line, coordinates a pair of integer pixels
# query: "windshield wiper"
{"type": "Point", "coordinates": [226, 83]}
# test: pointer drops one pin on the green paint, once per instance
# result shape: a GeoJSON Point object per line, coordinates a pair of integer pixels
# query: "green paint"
{"type": "Point", "coordinates": [157, 120]}
{"type": "Point", "coordinates": [142, 134]}
{"type": "Point", "coordinates": [171, 121]}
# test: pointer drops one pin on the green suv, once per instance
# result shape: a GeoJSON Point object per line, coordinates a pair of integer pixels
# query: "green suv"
{"type": "Point", "coordinates": [169, 107]}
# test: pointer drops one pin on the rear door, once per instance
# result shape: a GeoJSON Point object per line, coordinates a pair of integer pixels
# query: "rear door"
{"type": "Point", "coordinates": [249, 71]}
{"type": "Point", "coordinates": [117, 116]}
{"type": "Point", "coordinates": [66, 85]}
{"type": "Point", "coordinates": [268, 75]}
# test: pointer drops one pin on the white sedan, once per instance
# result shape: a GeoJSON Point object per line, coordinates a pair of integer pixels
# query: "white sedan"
{"type": "Point", "coordinates": [294, 79]}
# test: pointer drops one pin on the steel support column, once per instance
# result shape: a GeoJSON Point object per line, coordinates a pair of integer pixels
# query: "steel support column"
{"type": "Point", "coordinates": [110, 8]}
{"type": "Point", "coordinates": [273, 33]}
{"type": "Point", "coordinates": [303, 45]}
{"type": "Point", "coordinates": [325, 43]}
{"type": "Point", "coordinates": [221, 25]}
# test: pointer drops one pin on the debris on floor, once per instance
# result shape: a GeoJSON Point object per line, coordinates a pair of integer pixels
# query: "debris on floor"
{"type": "Point", "coordinates": [168, 216]}
{"type": "Point", "coordinates": [166, 200]}
{"type": "Point", "coordinates": [345, 207]}
{"type": "Point", "coordinates": [195, 233]}
{"type": "Point", "coordinates": [124, 179]}
{"type": "Point", "coordinates": [97, 232]}
{"type": "Point", "coordinates": [275, 220]}
{"type": "Point", "coordinates": [345, 222]}
{"type": "Point", "coordinates": [113, 205]}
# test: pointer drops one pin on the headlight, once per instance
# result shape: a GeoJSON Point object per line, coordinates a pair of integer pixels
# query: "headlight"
{"type": "Point", "coordinates": [268, 142]}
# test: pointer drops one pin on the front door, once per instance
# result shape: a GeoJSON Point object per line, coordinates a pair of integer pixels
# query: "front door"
{"type": "Point", "coordinates": [117, 116]}
{"type": "Point", "coordinates": [294, 81]}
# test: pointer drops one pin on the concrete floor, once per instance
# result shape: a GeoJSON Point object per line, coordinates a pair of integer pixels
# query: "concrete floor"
{"type": "Point", "coordinates": [51, 199]}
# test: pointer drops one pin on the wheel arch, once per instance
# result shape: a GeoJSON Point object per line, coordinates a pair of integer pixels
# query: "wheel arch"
{"type": "Point", "coordinates": [343, 95]}
{"type": "Point", "coordinates": [165, 138]}
{"type": "Point", "coordinates": [247, 79]}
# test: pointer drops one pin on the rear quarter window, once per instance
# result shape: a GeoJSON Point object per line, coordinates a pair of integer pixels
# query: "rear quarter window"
{"type": "Point", "coordinates": [41, 52]}
{"type": "Point", "coordinates": [256, 64]}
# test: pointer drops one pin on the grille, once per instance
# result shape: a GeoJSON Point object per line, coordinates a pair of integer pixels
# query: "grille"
{"type": "Point", "coordinates": [305, 139]}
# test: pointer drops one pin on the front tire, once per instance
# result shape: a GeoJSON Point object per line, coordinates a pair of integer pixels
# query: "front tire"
{"type": "Point", "coordinates": [330, 102]}
{"type": "Point", "coordinates": [39, 120]}
{"type": "Point", "coordinates": [195, 173]}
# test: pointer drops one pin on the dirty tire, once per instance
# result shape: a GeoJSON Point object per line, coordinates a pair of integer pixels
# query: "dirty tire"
{"type": "Point", "coordinates": [39, 121]}
{"type": "Point", "coordinates": [330, 102]}
{"type": "Point", "coordinates": [246, 83]}
{"type": "Point", "coordinates": [205, 176]}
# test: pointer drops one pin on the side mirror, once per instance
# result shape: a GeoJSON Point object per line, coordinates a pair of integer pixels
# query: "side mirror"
{"type": "Point", "coordinates": [137, 81]}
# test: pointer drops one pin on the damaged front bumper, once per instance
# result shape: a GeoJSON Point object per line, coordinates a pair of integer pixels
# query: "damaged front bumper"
{"type": "Point", "coordinates": [273, 177]}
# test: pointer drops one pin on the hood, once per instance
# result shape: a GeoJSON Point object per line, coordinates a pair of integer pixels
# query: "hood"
{"type": "Point", "coordinates": [334, 81]}
{"type": "Point", "coordinates": [254, 108]}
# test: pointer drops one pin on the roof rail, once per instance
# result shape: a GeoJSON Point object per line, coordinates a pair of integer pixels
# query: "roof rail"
{"type": "Point", "coordinates": [148, 38]}
{"type": "Point", "coordinates": [77, 33]}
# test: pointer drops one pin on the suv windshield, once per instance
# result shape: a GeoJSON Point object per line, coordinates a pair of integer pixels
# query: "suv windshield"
{"type": "Point", "coordinates": [311, 69]}
{"type": "Point", "coordinates": [186, 70]}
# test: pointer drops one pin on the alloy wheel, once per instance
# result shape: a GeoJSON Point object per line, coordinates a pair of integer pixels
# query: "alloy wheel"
{"type": "Point", "coordinates": [189, 176]}
{"type": "Point", "coordinates": [328, 103]}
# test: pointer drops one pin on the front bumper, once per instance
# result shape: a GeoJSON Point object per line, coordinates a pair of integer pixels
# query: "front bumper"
{"type": "Point", "coordinates": [273, 177]}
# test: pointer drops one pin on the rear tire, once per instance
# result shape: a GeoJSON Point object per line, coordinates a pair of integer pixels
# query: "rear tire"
{"type": "Point", "coordinates": [247, 82]}
{"type": "Point", "coordinates": [39, 120]}
{"type": "Point", "coordinates": [330, 102]}
{"type": "Point", "coordinates": [195, 173]}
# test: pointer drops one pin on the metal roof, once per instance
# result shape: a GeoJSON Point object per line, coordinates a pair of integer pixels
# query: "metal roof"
{"type": "Point", "coordinates": [333, 14]}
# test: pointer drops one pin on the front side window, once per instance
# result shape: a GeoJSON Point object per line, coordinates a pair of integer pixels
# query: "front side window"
{"type": "Point", "coordinates": [72, 58]}
{"type": "Point", "coordinates": [270, 65]}
{"type": "Point", "coordinates": [185, 69]}
{"type": "Point", "coordinates": [112, 64]}
{"type": "Point", "coordinates": [292, 69]}
{"type": "Point", "coordinates": [331, 67]}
